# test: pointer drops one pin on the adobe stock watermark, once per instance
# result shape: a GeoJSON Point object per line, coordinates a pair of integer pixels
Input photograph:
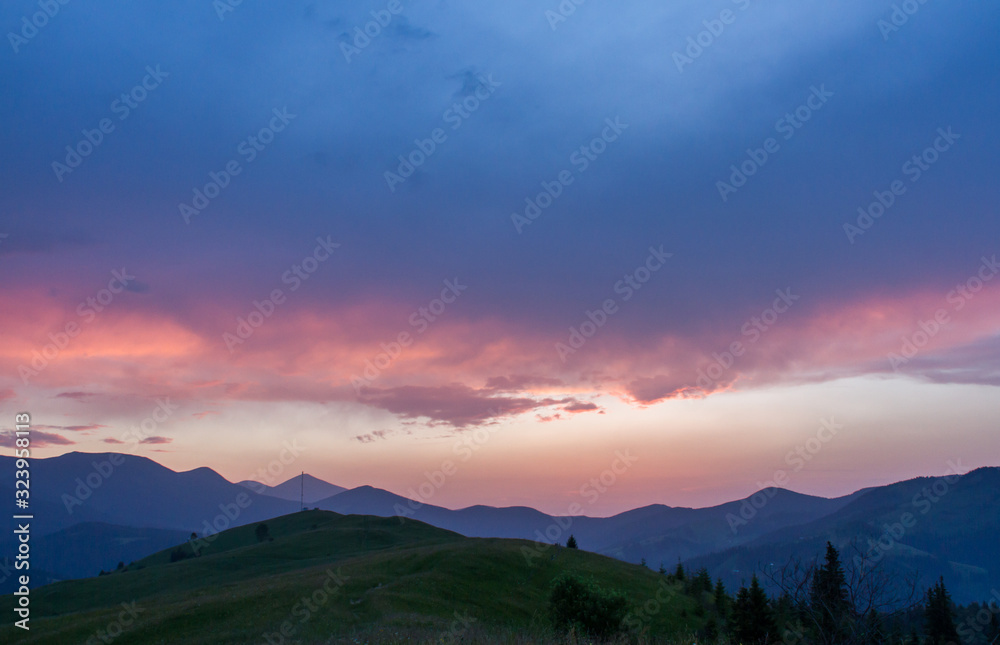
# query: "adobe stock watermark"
{"type": "Point", "coordinates": [562, 12]}
{"type": "Point", "coordinates": [420, 320]}
{"type": "Point", "coordinates": [295, 276]}
{"type": "Point", "coordinates": [308, 606]}
{"type": "Point", "coordinates": [626, 288]}
{"type": "Point", "coordinates": [122, 107]}
{"type": "Point", "coordinates": [30, 26]}
{"type": "Point", "coordinates": [899, 16]}
{"type": "Point", "coordinates": [248, 150]}
{"type": "Point", "coordinates": [639, 618]}
{"type": "Point", "coordinates": [922, 502]}
{"type": "Point", "coordinates": [914, 168]}
{"type": "Point", "coordinates": [590, 491]}
{"type": "Point", "coordinates": [434, 480]}
{"type": "Point", "coordinates": [981, 620]}
{"type": "Point", "coordinates": [697, 44]}
{"type": "Point", "coordinates": [787, 126]}
{"type": "Point", "coordinates": [87, 311]}
{"type": "Point", "coordinates": [455, 116]}
{"type": "Point", "coordinates": [957, 298]}
{"type": "Point", "coordinates": [797, 458]}
{"type": "Point", "coordinates": [223, 7]}
{"type": "Point", "coordinates": [581, 160]}
{"type": "Point", "coordinates": [102, 470]}
{"type": "Point", "coordinates": [268, 475]}
{"type": "Point", "coordinates": [126, 619]}
{"type": "Point", "coordinates": [753, 330]}
{"type": "Point", "coordinates": [372, 29]}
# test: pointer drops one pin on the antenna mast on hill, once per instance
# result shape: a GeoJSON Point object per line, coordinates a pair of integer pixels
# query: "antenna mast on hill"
{"type": "Point", "coordinates": [302, 490]}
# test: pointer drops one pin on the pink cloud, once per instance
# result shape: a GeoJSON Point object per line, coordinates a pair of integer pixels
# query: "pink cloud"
{"type": "Point", "coordinates": [39, 439]}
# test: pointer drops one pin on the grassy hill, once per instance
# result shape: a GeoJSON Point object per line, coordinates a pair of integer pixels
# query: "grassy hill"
{"type": "Point", "coordinates": [331, 578]}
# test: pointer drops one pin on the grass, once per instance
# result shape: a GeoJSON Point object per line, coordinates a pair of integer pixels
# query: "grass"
{"type": "Point", "coordinates": [328, 578]}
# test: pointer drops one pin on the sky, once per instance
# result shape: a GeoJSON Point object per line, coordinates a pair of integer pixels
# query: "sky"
{"type": "Point", "coordinates": [682, 249]}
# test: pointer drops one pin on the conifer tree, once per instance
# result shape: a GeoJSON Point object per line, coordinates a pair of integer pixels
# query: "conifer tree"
{"type": "Point", "coordinates": [828, 594]}
{"type": "Point", "coordinates": [721, 598]}
{"type": "Point", "coordinates": [752, 622]}
{"type": "Point", "coordinates": [938, 615]}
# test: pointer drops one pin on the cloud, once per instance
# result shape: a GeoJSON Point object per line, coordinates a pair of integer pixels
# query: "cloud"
{"type": "Point", "coordinates": [661, 387]}
{"type": "Point", "coordinates": [373, 436]}
{"type": "Point", "coordinates": [581, 406]}
{"type": "Point", "coordinates": [7, 394]}
{"type": "Point", "coordinates": [455, 404]}
{"type": "Point", "coordinates": [113, 441]}
{"type": "Point", "coordinates": [77, 428]}
{"type": "Point", "coordinates": [78, 396]}
{"type": "Point", "coordinates": [519, 383]}
{"type": "Point", "coordinates": [156, 440]}
{"type": "Point", "coordinates": [39, 439]}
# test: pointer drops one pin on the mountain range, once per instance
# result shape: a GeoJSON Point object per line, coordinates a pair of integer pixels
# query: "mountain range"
{"type": "Point", "coordinates": [95, 510]}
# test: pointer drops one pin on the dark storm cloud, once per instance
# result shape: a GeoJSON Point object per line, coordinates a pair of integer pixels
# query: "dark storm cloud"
{"type": "Point", "coordinates": [325, 172]}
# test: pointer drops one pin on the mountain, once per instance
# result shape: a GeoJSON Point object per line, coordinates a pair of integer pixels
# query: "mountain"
{"type": "Point", "coordinates": [83, 550]}
{"type": "Point", "coordinates": [954, 533]}
{"type": "Point", "coordinates": [331, 578]}
{"type": "Point", "coordinates": [655, 533]}
{"type": "Point", "coordinates": [921, 528]}
{"type": "Point", "coordinates": [127, 490]}
{"type": "Point", "coordinates": [314, 489]}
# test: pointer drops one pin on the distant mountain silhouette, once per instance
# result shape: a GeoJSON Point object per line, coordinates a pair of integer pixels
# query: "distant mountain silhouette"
{"type": "Point", "coordinates": [83, 550]}
{"type": "Point", "coordinates": [138, 492]}
{"type": "Point", "coordinates": [315, 489]}
{"type": "Point", "coordinates": [953, 534]}
{"type": "Point", "coordinates": [954, 537]}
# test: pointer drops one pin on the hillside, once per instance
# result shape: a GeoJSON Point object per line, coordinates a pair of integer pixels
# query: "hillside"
{"type": "Point", "coordinates": [384, 576]}
{"type": "Point", "coordinates": [952, 533]}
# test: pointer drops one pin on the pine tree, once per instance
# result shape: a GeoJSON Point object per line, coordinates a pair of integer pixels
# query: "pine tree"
{"type": "Point", "coordinates": [679, 573]}
{"type": "Point", "coordinates": [828, 594]}
{"type": "Point", "coordinates": [721, 598]}
{"type": "Point", "coordinates": [571, 543]}
{"type": "Point", "coordinates": [702, 582]}
{"type": "Point", "coordinates": [938, 614]}
{"type": "Point", "coordinates": [752, 622]}
{"type": "Point", "coordinates": [993, 631]}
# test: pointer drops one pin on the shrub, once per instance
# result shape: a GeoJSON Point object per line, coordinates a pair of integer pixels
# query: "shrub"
{"type": "Point", "coordinates": [581, 603]}
{"type": "Point", "coordinates": [179, 554]}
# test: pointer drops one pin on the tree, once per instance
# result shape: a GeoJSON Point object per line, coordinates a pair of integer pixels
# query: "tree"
{"type": "Point", "coordinates": [873, 596]}
{"type": "Point", "coordinates": [121, 565]}
{"type": "Point", "coordinates": [262, 532]}
{"type": "Point", "coordinates": [828, 594]}
{"type": "Point", "coordinates": [721, 598]}
{"type": "Point", "coordinates": [752, 622]}
{"type": "Point", "coordinates": [571, 543]}
{"type": "Point", "coordinates": [993, 631]}
{"type": "Point", "coordinates": [579, 603]}
{"type": "Point", "coordinates": [702, 582]}
{"type": "Point", "coordinates": [679, 572]}
{"type": "Point", "coordinates": [938, 614]}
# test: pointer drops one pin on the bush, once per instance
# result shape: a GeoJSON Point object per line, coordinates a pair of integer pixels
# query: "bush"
{"type": "Point", "coordinates": [179, 554]}
{"type": "Point", "coordinates": [581, 603]}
